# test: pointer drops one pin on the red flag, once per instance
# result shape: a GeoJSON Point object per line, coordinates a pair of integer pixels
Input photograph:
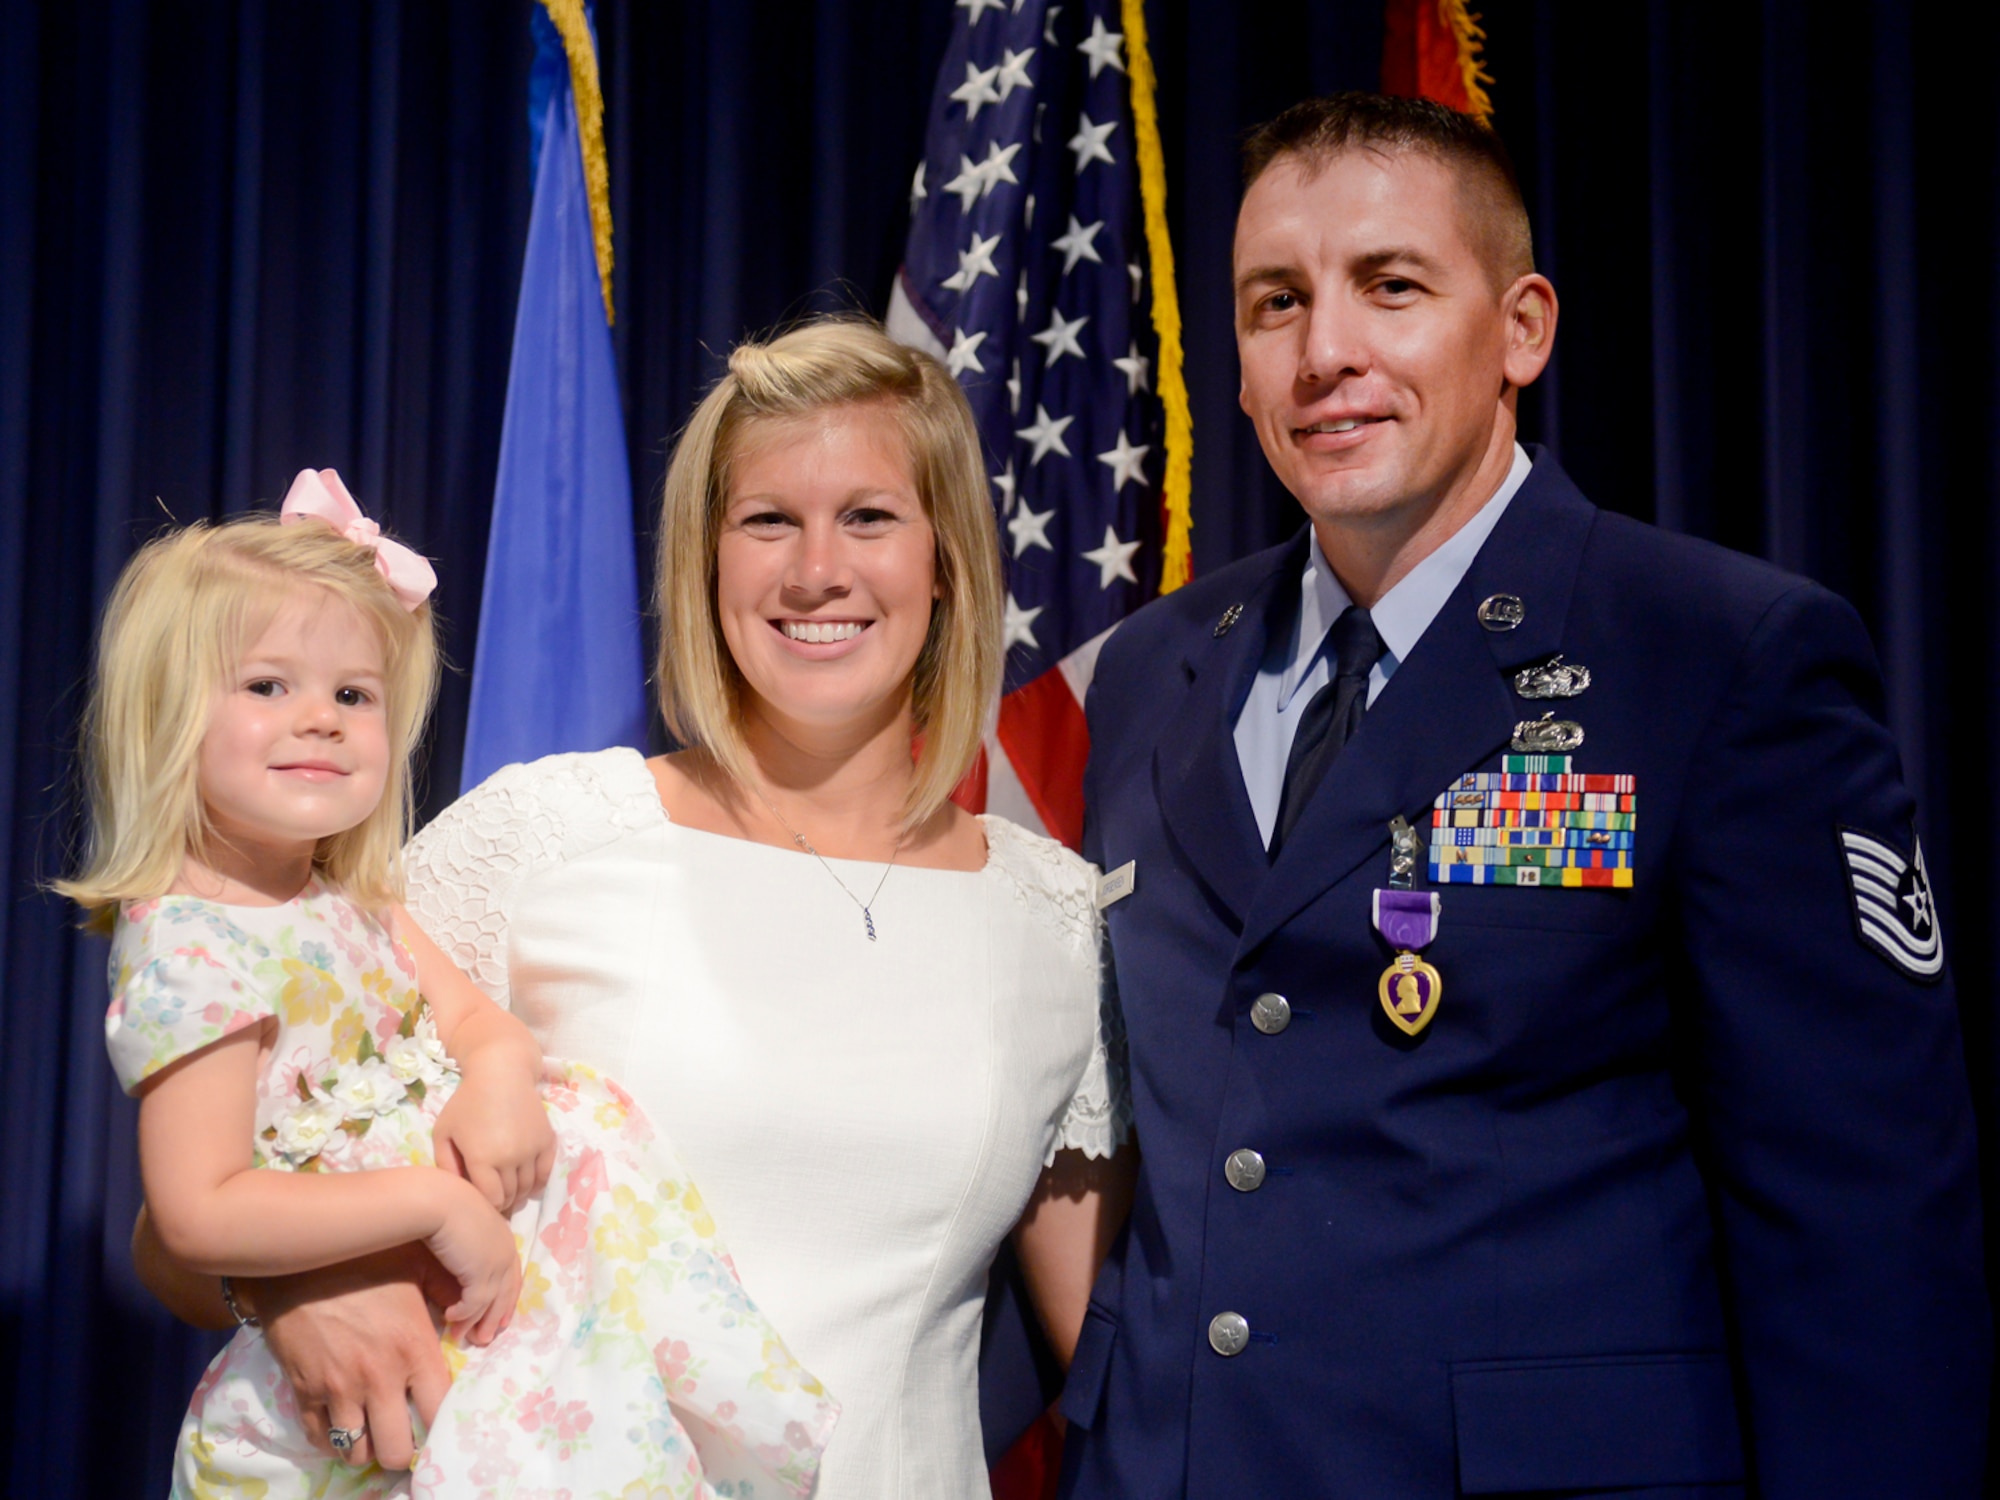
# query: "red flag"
{"type": "Point", "coordinates": [1431, 50]}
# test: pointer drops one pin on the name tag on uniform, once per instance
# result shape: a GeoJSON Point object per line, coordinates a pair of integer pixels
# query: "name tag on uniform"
{"type": "Point", "coordinates": [1117, 885]}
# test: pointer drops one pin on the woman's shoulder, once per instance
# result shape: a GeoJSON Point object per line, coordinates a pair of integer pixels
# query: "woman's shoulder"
{"type": "Point", "coordinates": [615, 780]}
{"type": "Point", "coordinates": [543, 811]}
{"type": "Point", "coordinates": [463, 872]}
{"type": "Point", "coordinates": [1053, 881]}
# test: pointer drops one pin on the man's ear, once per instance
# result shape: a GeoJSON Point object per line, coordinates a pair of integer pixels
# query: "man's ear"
{"type": "Point", "coordinates": [1530, 310]}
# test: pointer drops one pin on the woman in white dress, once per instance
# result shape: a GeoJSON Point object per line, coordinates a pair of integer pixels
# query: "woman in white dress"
{"type": "Point", "coordinates": [869, 1022]}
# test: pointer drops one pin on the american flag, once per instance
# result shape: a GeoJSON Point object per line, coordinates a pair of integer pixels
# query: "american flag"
{"type": "Point", "coordinates": [1027, 272]}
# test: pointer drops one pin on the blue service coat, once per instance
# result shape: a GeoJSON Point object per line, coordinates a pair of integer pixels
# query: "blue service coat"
{"type": "Point", "coordinates": [1675, 1196]}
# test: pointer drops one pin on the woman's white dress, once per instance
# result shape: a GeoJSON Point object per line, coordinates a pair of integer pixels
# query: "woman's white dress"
{"type": "Point", "coordinates": [866, 1119]}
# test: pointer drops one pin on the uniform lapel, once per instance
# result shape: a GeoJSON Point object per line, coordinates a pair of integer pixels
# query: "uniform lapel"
{"type": "Point", "coordinates": [1199, 781]}
{"type": "Point", "coordinates": [1449, 706]}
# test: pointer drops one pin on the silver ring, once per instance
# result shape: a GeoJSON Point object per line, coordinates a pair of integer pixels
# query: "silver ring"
{"type": "Point", "coordinates": [344, 1438]}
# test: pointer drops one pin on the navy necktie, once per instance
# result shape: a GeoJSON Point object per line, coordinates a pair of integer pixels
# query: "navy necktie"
{"type": "Point", "coordinates": [1332, 716]}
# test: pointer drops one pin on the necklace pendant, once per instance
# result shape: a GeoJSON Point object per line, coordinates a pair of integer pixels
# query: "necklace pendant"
{"type": "Point", "coordinates": [870, 921]}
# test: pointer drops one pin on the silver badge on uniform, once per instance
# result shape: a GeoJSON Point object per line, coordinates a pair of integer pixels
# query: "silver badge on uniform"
{"type": "Point", "coordinates": [1499, 612]}
{"type": "Point", "coordinates": [1554, 678]}
{"type": "Point", "coordinates": [1547, 735]}
{"type": "Point", "coordinates": [1894, 912]}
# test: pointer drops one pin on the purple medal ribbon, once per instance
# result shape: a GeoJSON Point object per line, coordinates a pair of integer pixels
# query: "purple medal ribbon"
{"type": "Point", "coordinates": [1408, 919]}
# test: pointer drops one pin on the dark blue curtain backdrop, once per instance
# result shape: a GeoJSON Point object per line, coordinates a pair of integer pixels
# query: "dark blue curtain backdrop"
{"type": "Point", "coordinates": [239, 239]}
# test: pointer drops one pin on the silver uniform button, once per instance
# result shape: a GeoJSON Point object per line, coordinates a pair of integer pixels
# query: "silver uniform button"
{"type": "Point", "coordinates": [1228, 1334]}
{"type": "Point", "coordinates": [1270, 1014]}
{"type": "Point", "coordinates": [1244, 1170]}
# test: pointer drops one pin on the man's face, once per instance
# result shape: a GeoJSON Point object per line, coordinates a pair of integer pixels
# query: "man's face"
{"type": "Point", "coordinates": [1374, 345]}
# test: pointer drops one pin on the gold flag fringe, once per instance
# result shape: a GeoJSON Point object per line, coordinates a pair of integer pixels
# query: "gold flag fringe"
{"type": "Point", "coordinates": [574, 29]}
{"type": "Point", "coordinates": [1177, 561]}
{"type": "Point", "coordinates": [1471, 38]}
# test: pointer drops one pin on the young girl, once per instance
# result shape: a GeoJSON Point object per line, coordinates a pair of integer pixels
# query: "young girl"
{"type": "Point", "coordinates": [261, 686]}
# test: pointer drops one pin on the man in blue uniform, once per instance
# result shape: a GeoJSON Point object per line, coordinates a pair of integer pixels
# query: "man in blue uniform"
{"type": "Point", "coordinates": [1542, 1051]}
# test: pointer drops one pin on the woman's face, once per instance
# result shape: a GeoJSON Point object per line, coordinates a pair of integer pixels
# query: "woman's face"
{"type": "Point", "coordinates": [826, 570]}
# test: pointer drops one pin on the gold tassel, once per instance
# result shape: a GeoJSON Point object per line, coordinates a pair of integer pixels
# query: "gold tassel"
{"type": "Point", "coordinates": [1177, 561]}
{"type": "Point", "coordinates": [1471, 38]}
{"type": "Point", "coordinates": [571, 24]}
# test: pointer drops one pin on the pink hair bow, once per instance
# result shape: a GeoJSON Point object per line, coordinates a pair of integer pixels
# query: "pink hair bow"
{"type": "Point", "coordinates": [322, 497]}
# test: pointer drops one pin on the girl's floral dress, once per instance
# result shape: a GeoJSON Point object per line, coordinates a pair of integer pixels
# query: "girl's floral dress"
{"type": "Point", "coordinates": [636, 1367]}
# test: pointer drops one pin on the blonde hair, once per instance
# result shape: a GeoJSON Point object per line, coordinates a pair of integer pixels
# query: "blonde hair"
{"type": "Point", "coordinates": [831, 363]}
{"type": "Point", "coordinates": [184, 611]}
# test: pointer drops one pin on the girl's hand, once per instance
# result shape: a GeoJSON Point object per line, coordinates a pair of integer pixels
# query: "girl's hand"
{"type": "Point", "coordinates": [493, 1131]}
{"type": "Point", "coordinates": [476, 1247]}
{"type": "Point", "coordinates": [495, 1134]}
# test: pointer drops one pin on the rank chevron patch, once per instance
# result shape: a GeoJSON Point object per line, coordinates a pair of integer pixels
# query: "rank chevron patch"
{"type": "Point", "coordinates": [1894, 912]}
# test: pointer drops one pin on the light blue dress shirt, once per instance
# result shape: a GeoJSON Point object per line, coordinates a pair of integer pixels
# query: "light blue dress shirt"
{"type": "Point", "coordinates": [1295, 667]}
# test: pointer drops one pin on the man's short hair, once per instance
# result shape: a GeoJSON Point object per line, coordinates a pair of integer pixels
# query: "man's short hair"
{"type": "Point", "coordinates": [1318, 130]}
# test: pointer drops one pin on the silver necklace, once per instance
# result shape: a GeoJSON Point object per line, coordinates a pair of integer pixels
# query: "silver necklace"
{"type": "Point", "coordinates": [867, 915]}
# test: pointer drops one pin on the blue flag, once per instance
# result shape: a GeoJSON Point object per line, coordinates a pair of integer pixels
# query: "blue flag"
{"type": "Point", "coordinates": [557, 663]}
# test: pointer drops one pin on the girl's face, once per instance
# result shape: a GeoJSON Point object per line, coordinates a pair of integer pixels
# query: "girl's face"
{"type": "Point", "coordinates": [826, 570]}
{"type": "Point", "coordinates": [298, 740]}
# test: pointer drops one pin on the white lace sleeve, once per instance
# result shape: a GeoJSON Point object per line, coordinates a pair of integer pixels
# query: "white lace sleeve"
{"type": "Point", "coordinates": [1061, 886]}
{"type": "Point", "coordinates": [1099, 1118]}
{"type": "Point", "coordinates": [462, 871]}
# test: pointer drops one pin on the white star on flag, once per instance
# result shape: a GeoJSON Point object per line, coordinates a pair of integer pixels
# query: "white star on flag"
{"type": "Point", "coordinates": [1138, 274]}
{"type": "Point", "coordinates": [977, 89]}
{"type": "Point", "coordinates": [970, 184]}
{"type": "Point", "coordinates": [1088, 142]}
{"type": "Point", "coordinates": [1137, 369]}
{"type": "Point", "coordinates": [1018, 626]}
{"type": "Point", "coordinates": [1113, 559]}
{"type": "Point", "coordinates": [917, 193]}
{"type": "Point", "coordinates": [1004, 482]}
{"type": "Point", "coordinates": [1014, 71]}
{"type": "Point", "coordinates": [996, 168]}
{"type": "Point", "coordinates": [1014, 400]}
{"type": "Point", "coordinates": [1045, 433]}
{"type": "Point", "coordinates": [1101, 47]}
{"type": "Point", "coordinates": [1059, 338]}
{"type": "Point", "coordinates": [974, 182]}
{"type": "Point", "coordinates": [1126, 461]}
{"type": "Point", "coordinates": [964, 352]}
{"type": "Point", "coordinates": [1049, 24]}
{"type": "Point", "coordinates": [1021, 297]}
{"type": "Point", "coordinates": [1076, 245]}
{"type": "Point", "coordinates": [978, 8]}
{"type": "Point", "coordinates": [974, 263]}
{"type": "Point", "coordinates": [1030, 528]}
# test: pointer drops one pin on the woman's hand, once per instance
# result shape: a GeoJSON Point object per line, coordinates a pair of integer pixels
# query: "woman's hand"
{"type": "Point", "coordinates": [1075, 1212]}
{"type": "Point", "coordinates": [495, 1134]}
{"type": "Point", "coordinates": [476, 1247]}
{"type": "Point", "coordinates": [359, 1346]}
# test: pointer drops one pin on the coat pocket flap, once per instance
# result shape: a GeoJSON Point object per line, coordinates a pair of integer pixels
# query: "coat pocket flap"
{"type": "Point", "coordinates": [1611, 1422]}
{"type": "Point", "coordinates": [1083, 1394]}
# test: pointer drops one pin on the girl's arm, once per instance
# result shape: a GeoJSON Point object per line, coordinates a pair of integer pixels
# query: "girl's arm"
{"type": "Point", "coordinates": [1077, 1209]}
{"type": "Point", "coordinates": [192, 1297]}
{"type": "Point", "coordinates": [494, 1131]}
{"type": "Point", "coordinates": [216, 1214]}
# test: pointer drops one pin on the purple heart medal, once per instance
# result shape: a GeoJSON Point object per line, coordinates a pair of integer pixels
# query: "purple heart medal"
{"type": "Point", "coordinates": [1408, 919]}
